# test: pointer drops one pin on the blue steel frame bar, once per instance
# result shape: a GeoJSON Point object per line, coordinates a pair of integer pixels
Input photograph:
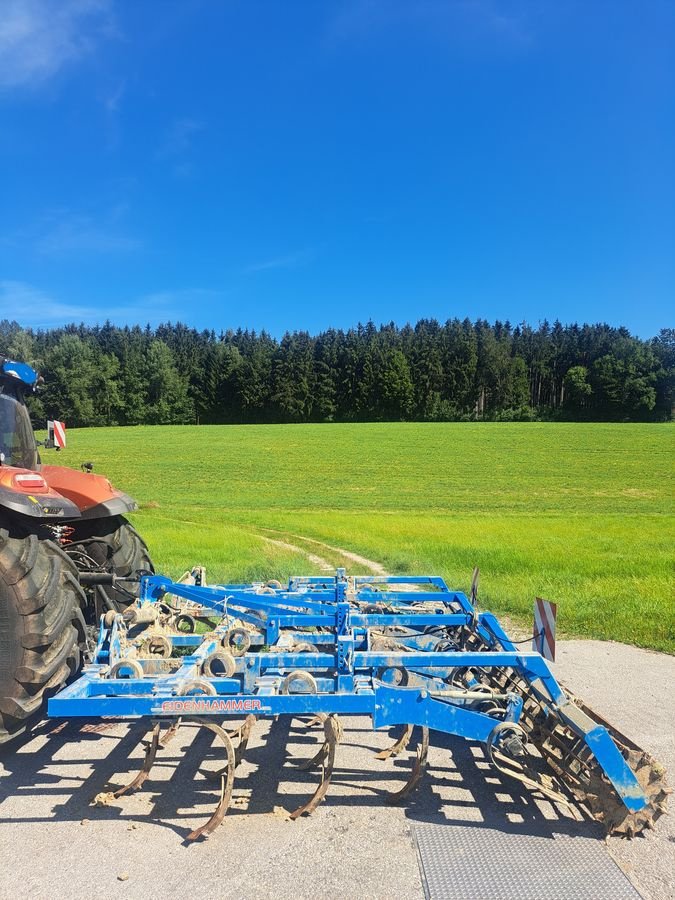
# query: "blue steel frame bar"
{"type": "Point", "coordinates": [349, 678]}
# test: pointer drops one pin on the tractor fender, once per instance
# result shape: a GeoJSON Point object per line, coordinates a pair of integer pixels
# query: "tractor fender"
{"type": "Point", "coordinates": [37, 502]}
{"type": "Point", "coordinates": [93, 495]}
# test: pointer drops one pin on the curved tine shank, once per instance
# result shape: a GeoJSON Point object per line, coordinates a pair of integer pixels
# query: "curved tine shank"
{"type": "Point", "coordinates": [400, 744]}
{"type": "Point", "coordinates": [226, 783]}
{"type": "Point", "coordinates": [421, 757]}
{"type": "Point", "coordinates": [170, 733]}
{"type": "Point", "coordinates": [333, 731]}
{"type": "Point", "coordinates": [244, 735]}
{"type": "Point", "coordinates": [318, 719]}
{"type": "Point", "coordinates": [318, 758]}
{"type": "Point", "coordinates": [151, 748]}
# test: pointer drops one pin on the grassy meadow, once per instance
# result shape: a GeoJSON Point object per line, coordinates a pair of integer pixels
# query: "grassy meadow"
{"type": "Point", "coordinates": [581, 514]}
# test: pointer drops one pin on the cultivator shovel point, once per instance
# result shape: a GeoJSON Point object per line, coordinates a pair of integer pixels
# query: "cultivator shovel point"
{"type": "Point", "coordinates": [407, 651]}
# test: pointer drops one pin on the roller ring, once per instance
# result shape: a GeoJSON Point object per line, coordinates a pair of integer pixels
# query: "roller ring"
{"type": "Point", "coordinates": [226, 660]}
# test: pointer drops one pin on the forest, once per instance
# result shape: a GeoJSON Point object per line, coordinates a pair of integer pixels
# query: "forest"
{"type": "Point", "coordinates": [453, 371]}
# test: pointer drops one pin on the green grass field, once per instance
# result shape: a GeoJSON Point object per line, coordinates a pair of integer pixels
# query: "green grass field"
{"type": "Point", "coordinates": [581, 514]}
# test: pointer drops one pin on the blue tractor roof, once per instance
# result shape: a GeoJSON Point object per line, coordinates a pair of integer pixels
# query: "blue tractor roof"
{"type": "Point", "coordinates": [21, 371]}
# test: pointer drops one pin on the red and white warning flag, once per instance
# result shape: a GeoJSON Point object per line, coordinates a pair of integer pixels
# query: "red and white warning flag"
{"type": "Point", "coordinates": [543, 636]}
{"type": "Point", "coordinates": [57, 433]}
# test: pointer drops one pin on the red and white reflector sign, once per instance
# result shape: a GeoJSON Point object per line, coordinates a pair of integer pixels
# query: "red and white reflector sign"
{"type": "Point", "coordinates": [57, 433]}
{"type": "Point", "coordinates": [543, 635]}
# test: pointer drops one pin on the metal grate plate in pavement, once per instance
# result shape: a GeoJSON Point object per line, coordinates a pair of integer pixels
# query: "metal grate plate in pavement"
{"type": "Point", "coordinates": [477, 863]}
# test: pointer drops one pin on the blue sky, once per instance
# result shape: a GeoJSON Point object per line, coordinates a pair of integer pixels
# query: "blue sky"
{"type": "Point", "coordinates": [288, 164]}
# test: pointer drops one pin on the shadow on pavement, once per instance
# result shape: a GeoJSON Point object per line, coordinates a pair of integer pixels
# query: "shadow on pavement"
{"type": "Point", "coordinates": [60, 767]}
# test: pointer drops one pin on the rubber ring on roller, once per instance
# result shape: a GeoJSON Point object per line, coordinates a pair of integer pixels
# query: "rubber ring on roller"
{"type": "Point", "coordinates": [185, 619]}
{"type": "Point", "coordinates": [303, 677]}
{"type": "Point", "coordinates": [157, 646]}
{"type": "Point", "coordinates": [237, 649]}
{"type": "Point", "coordinates": [274, 584]}
{"type": "Point", "coordinates": [123, 665]}
{"type": "Point", "coordinates": [397, 676]}
{"type": "Point", "coordinates": [226, 660]}
{"type": "Point", "coordinates": [197, 686]}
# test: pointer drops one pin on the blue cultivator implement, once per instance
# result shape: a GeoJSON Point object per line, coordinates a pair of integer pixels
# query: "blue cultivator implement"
{"type": "Point", "coordinates": [407, 651]}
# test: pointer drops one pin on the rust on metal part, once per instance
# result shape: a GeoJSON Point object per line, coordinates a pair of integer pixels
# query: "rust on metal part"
{"type": "Point", "coordinates": [326, 756]}
{"type": "Point", "coordinates": [419, 767]}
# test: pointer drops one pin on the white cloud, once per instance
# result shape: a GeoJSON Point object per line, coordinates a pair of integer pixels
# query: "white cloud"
{"type": "Point", "coordinates": [61, 232]}
{"type": "Point", "coordinates": [113, 100]}
{"type": "Point", "coordinates": [175, 148]}
{"type": "Point", "coordinates": [289, 261]}
{"type": "Point", "coordinates": [31, 307]}
{"type": "Point", "coordinates": [458, 21]}
{"type": "Point", "coordinates": [80, 234]}
{"type": "Point", "coordinates": [172, 303]}
{"type": "Point", "coordinates": [40, 37]}
{"type": "Point", "coordinates": [178, 139]}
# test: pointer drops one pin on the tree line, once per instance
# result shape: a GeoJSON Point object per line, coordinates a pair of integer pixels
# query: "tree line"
{"type": "Point", "coordinates": [432, 371]}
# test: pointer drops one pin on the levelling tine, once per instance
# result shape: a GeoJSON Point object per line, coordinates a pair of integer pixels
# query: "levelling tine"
{"type": "Point", "coordinates": [151, 748]}
{"type": "Point", "coordinates": [421, 757]}
{"type": "Point", "coordinates": [226, 782]}
{"type": "Point", "coordinates": [397, 747]}
{"type": "Point", "coordinates": [333, 732]}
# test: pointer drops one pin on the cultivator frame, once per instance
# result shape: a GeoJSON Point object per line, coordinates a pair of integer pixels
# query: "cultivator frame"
{"type": "Point", "coordinates": [404, 650]}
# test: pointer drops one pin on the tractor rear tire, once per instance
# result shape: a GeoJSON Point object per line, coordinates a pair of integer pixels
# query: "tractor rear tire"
{"type": "Point", "coordinates": [41, 627]}
{"type": "Point", "coordinates": [115, 546]}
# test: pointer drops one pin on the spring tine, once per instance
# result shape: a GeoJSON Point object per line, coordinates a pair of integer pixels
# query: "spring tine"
{"type": "Point", "coordinates": [150, 753]}
{"type": "Point", "coordinates": [333, 732]}
{"type": "Point", "coordinates": [319, 758]}
{"type": "Point", "coordinates": [170, 733]}
{"type": "Point", "coordinates": [244, 735]}
{"type": "Point", "coordinates": [318, 719]}
{"type": "Point", "coordinates": [400, 744]}
{"type": "Point", "coordinates": [422, 755]}
{"type": "Point", "coordinates": [226, 783]}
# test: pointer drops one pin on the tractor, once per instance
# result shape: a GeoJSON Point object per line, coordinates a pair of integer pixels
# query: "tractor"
{"type": "Point", "coordinates": [63, 533]}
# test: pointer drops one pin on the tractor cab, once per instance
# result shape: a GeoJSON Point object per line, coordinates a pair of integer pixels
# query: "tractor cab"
{"type": "Point", "coordinates": [18, 447]}
{"type": "Point", "coordinates": [33, 490]}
